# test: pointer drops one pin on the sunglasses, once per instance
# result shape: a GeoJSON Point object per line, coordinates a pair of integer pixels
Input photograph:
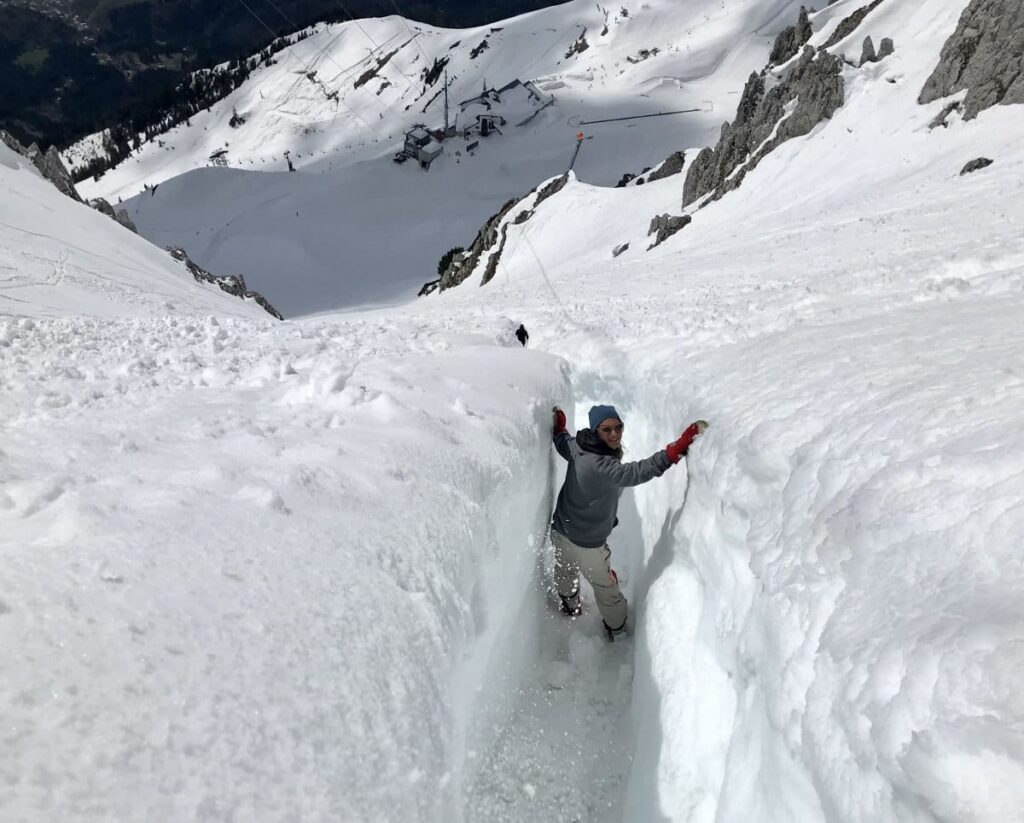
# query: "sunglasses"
{"type": "Point", "coordinates": [610, 429]}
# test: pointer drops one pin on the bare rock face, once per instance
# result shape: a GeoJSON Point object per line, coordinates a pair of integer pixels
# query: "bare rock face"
{"type": "Point", "coordinates": [49, 164]}
{"type": "Point", "coordinates": [816, 86]}
{"type": "Point", "coordinates": [120, 215]}
{"type": "Point", "coordinates": [941, 118]}
{"type": "Point", "coordinates": [665, 225]}
{"type": "Point", "coordinates": [867, 54]}
{"type": "Point", "coordinates": [791, 40]}
{"type": "Point", "coordinates": [976, 165]}
{"type": "Point", "coordinates": [233, 284]}
{"type": "Point", "coordinates": [673, 164]}
{"type": "Point", "coordinates": [985, 55]}
{"type": "Point", "coordinates": [885, 48]}
{"type": "Point", "coordinates": [491, 234]}
{"type": "Point", "coordinates": [619, 249]}
{"type": "Point", "coordinates": [849, 24]}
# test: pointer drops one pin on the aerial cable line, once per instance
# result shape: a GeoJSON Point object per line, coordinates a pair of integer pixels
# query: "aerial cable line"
{"type": "Point", "coordinates": [295, 26]}
{"type": "Point", "coordinates": [305, 65]}
{"type": "Point", "coordinates": [406, 22]}
{"type": "Point", "coordinates": [630, 117]}
{"type": "Point", "coordinates": [375, 44]}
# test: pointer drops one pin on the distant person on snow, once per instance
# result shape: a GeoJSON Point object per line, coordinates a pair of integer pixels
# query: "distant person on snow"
{"type": "Point", "coordinates": [522, 334]}
{"type": "Point", "coordinates": [587, 504]}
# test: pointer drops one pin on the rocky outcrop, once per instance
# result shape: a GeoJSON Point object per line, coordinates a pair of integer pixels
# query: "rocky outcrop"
{"type": "Point", "coordinates": [791, 40]}
{"type": "Point", "coordinates": [985, 56]}
{"type": "Point", "coordinates": [673, 164]}
{"type": "Point", "coordinates": [492, 234]}
{"type": "Point", "coordinates": [622, 247]}
{"type": "Point", "coordinates": [976, 165]}
{"type": "Point", "coordinates": [849, 24]}
{"type": "Point", "coordinates": [49, 164]}
{"type": "Point", "coordinates": [120, 215]}
{"type": "Point", "coordinates": [812, 92]}
{"type": "Point", "coordinates": [462, 265]}
{"type": "Point", "coordinates": [868, 54]}
{"type": "Point", "coordinates": [665, 225]}
{"type": "Point", "coordinates": [233, 284]}
{"type": "Point", "coordinates": [941, 118]}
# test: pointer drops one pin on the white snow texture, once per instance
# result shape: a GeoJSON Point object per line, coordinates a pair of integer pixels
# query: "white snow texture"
{"type": "Point", "coordinates": [263, 571]}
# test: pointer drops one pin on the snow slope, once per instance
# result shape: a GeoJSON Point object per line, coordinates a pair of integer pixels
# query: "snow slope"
{"type": "Point", "coordinates": [60, 257]}
{"type": "Point", "coordinates": [350, 227]}
{"type": "Point", "coordinates": [297, 571]}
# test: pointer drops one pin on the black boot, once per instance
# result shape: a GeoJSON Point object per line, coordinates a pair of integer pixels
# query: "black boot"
{"type": "Point", "coordinates": [611, 635]}
{"type": "Point", "coordinates": [571, 604]}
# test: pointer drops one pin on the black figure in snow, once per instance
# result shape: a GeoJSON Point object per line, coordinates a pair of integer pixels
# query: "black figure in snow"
{"type": "Point", "coordinates": [587, 504]}
{"type": "Point", "coordinates": [522, 334]}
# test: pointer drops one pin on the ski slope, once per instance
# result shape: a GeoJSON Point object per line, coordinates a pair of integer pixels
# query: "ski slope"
{"type": "Point", "coordinates": [350, 227]}
{"type": "Point", "coordinates": [271, 571]}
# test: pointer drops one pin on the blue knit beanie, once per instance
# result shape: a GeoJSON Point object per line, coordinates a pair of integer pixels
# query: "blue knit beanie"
{"type": "Point", "coordinates": [598, 414]}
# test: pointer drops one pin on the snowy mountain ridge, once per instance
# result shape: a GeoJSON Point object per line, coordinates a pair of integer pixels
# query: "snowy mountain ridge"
{"type": "Point", "coordinates": [300, 570]}
{"type": "Point", "coordinates": [351, 227]}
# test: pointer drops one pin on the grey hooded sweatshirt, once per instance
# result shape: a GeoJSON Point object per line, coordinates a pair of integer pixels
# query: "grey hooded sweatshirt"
{"type": "Point", "coordinates": [589, 499]}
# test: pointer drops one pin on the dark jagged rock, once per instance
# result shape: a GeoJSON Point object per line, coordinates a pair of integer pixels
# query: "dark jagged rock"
{"type": "Point", "coordinates": [492, 262]}
{"type": "Point", "coordinates": [942, 116]}
{"type": "Point", "coordinates": [119, 216]}
{"type": "Point", "coordinates": [867, 53]}
{"type": "Point", "coordinates": [665, 225]}
{"type": "Point", "coordinates": [50, 165]}
{"type": "Point", "coordinates": [551, 189]}
{"type": "Point", "coordinates": [626, 178]}
{"type": "Point", "coordinates": [54, 170]}
{"type": "Point", "coordinates": [885, 48]}
{"type": "Point", "coordinates": [976, 165]}
{"type": "Point", "coordinates": [711, 167]}
{"type": "Point", "coordinates": [619, 249]}
{"type": "Point", "coordinates": [491, 234]}
{"type": "Point", "coordinates": [791, 40]}
{"type": "Point", "coordinates": [487, 238]}
{"type": "Point", "coordinates": [233, 284]}
{"type": "Point", "coordinates": [673, 164]}
{"type": "Point", "coordinates": [849, 25]}
{"type": "Point", "coordinates": [579, 45]}
{"type": "Point", "coordinates": [815, 83]}
{"type": "Point", "coordinates": [985, 55]}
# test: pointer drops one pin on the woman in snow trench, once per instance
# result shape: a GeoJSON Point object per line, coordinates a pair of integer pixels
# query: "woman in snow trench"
{"type": "Point", "coordinates": [587, 504]}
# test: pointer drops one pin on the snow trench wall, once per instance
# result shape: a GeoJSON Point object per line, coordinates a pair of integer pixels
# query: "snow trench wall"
{"type": "Point", "coordinates": [832, 621]}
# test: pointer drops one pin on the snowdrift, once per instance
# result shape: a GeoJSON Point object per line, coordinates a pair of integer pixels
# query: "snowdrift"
{"type": "Point", "coordinates": [298, 570]}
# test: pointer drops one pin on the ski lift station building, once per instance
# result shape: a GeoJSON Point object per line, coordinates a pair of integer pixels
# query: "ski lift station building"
{"type": "Point", "coordinates": [422, 145]}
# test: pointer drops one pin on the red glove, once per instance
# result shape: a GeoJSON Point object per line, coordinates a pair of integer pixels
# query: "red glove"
{"type": "Point", "coordinates": [559, 425]}
{"type": "Point", "coordinates": [679, 448]}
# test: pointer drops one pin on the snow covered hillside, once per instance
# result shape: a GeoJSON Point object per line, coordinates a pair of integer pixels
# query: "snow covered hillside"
{"type": "Point", "coordinates": [60, 257]}
{"type": "Point", "coordinates": [353, 228]}
{"type": "Point", "coordinates": [297, 571]}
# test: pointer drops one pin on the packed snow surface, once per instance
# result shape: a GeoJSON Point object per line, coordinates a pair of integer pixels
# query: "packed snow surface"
{"type": "Point", "coordinates": [297, 571]}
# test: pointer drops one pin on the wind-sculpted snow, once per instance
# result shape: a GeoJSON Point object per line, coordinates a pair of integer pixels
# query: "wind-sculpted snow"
{"type": "Point", "coordinates": [236, 562]}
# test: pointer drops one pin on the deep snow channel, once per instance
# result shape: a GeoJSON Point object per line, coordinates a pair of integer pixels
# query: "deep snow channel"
{"type": "Point", "coordinates": [559, 732]}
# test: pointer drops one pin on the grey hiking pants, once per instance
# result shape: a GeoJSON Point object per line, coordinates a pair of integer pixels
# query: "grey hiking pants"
{"type": "Point", "coordinates": [572, 560]}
